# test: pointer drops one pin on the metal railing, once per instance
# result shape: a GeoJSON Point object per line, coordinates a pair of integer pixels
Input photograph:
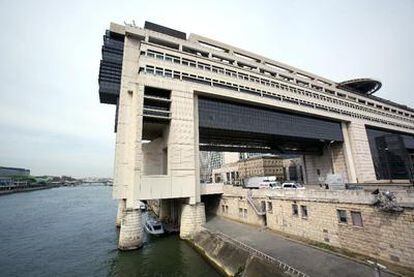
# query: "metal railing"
{"type": "Point", "coordinates": [251, 202]}
{"type": "Point", "coordinates": [281, 265]}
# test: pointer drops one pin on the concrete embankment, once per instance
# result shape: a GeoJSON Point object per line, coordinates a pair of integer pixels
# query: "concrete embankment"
{"type": "Point", "coordinates": [4, 192]}
{"type": "Point", "coordinates": [235, 259]}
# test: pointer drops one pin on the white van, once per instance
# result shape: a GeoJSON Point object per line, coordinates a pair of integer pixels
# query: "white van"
{"type": "Point", "coordinates": [261, 182]}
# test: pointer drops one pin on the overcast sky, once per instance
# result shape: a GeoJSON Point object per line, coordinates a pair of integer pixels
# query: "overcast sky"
{"type": "Point", "coordinates": [51, 120]}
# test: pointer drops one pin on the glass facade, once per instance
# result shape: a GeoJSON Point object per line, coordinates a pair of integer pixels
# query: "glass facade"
{"type": "Point", "coordinates": [391, 153]}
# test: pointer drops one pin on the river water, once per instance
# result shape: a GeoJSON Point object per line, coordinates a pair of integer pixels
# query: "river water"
{"type": "Point", "coordinates": [70, 231]}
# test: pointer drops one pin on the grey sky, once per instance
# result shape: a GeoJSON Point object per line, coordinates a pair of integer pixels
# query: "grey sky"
{"type": "Point", "coordinates": [50, 117]}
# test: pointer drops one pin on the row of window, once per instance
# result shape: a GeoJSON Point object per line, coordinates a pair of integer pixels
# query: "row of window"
{"type": "Point", "coordinates": [242, 212]}
{"type": "Point", "coordinates": [267, 82]}
{"type": "Point", "coordinates": [356, 217]}
{"type": "Point", "coordinates": [303, 210]}
{"type": "Point", "coordinates": [226, 85]}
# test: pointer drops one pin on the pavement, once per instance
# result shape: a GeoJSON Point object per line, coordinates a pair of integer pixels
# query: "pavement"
{"type": "Point", "coordinates": [310, 260]}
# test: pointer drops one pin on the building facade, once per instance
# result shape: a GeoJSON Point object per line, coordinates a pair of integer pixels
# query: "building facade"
{"type": "Point", "coordinates": [182, 95]}
{"type": "Point", "coordinates": [261, 166]}
{"type": "Point", "coordinates": [13, 171]}
{"type": "Point", "coordinates": [213, 160]}
{"type": "Point", "coordinates": [258, 166]}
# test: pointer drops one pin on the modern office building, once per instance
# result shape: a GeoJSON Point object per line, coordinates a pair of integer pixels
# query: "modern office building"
{"type": "Point", "coordinates": [186, 94]}
{"type": "Point", "coordinates": [13, 171]}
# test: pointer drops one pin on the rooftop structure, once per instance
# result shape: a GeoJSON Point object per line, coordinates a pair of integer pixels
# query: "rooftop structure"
{"type": "Point", "coordinates": [361, 86]}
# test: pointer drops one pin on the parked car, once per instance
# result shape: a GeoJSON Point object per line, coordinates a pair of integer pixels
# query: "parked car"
{"type": "Point", "coordinates": [292, 185]}
{"type": "Point", "coordinates": [261, 182]}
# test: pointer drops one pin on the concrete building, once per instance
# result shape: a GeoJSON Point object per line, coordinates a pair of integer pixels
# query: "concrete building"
{"type": "Point", "coordinates": [234, 173]}
{"type": "Point", "coordinates": [185, 94]}
{"type": "Point", "coordinates": [261, 166]}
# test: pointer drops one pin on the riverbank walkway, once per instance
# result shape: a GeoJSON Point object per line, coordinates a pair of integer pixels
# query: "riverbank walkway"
{"type": "Point", "coordinates": [310, 260]}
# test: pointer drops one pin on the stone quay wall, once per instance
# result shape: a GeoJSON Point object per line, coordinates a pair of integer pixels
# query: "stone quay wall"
{"type": "Point", "coordinates": [343, 219]}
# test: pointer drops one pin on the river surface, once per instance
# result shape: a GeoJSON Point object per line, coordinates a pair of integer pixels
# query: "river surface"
{"type": "Point", "coordinates": [70, 231]}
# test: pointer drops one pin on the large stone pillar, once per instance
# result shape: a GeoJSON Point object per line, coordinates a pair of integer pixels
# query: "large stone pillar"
{"type": "Point", "coordinates": [349, 159]}
{"type": "Point", "coordinates": [361, 153]}
{"type": "Point", "coordinates": [131, 233]}
{"type": "Point", "coordinates": [121, 212]}
{"type": "Point", "coordinates": [192, 217]}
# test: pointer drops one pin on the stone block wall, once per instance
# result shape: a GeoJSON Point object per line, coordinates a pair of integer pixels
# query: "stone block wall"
{"type": "Point", "coordinates": [237, 208]}
{"type": "Point", "coordinates": [192, 217]}
{"type": "Point", "coordinates": [385, 236]}
{"type": "Point", "coordinates": [315, 164]}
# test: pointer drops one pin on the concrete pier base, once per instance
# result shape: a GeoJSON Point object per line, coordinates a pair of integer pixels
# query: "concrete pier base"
{"type": "Point", "coordinates": [121, 212]}
{"type": "Point", "coordinates": [192, 217]}
{"type": "Point", "coordinates": [131, 233]}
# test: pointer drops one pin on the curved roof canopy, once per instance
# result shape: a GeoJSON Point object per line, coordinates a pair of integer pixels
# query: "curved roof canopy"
{"type": "Point", "coordinates": [362, 86]}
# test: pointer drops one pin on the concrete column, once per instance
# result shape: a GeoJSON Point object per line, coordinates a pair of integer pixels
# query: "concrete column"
{"type": "Point", "coordinates": [131, 233]}
{"type": "Point", "coordinates": [349, 159]}
{"type": "Point", "coordinates": [121, 212]}
{"type": "Point", "coordinates": [192, 217]}
{"type": "Point", "coordinates": [361, 153]}
{"type": "Point", "coordinates": [339, 163]}
{"type": "Point", "coordinates": [196, 152]}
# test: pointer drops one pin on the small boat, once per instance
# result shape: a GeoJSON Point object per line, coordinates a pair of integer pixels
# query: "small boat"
{"type": "Point", "coordinates": [152, 225]}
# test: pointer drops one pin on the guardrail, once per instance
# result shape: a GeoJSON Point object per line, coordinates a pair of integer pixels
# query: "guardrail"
{"type": "Point", "coordinates": [281, 265]}
{"type": "Point", "coordinates": [249, 198]}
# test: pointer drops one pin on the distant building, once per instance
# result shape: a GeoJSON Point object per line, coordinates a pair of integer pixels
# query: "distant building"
{"type": "Point", "coordinates": [233, 173]}
{"type": "Point", "coordinates": [261, 166]}
{"type": "Point", "coordinates": [13, 171]}
{"type": "Point", "coordinates": [214, 160]}
{"type": "Point", "coordinates": [6, 181]}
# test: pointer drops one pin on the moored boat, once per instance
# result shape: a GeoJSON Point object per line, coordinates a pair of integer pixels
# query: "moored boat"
{"type": "Point", "coordinates": [152, 225]}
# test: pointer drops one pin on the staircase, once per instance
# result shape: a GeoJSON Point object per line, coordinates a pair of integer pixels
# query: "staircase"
{"type": "Point", "coordinates": [251, 202]}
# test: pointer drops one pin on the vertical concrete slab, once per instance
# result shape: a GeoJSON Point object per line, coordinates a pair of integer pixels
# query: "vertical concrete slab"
{"type": "Point", "coordinates": [364, 166]}
{"type": "Point", "coordinates": [349, 158]}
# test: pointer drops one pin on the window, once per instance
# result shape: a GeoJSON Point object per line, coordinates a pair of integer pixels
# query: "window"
{"type": "Point", "coordinates": [223, 208]}
{"type": "Point", "coordinates": [245, 213]}
{"type": "Point", "coordinates": [240, 212]}
{"type": "Point", "coordinates": [304, 211]}
{"type": "Point", "coordinates": [294, 209]}
{"type": "Point", "coordinates": [356, 218]}
{"type": "Point", "coordinates": [341, 216]}
{"type": "Point", "coordinates": [269, 207]}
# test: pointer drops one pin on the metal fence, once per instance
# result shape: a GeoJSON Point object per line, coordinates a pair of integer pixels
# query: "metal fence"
{"type": "Point", "coordinates": [281, 265]}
